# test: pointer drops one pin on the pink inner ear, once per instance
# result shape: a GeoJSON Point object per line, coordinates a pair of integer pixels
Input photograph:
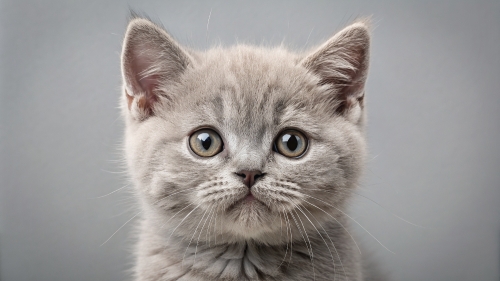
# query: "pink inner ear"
{"type": "Point", "coordinates": [144, 87]}
{"type": "Point", "coordinates": [141, 65]}
{"type": "Point", "coordinates": [151, 58]}
{"type": "Point", "coordinates": [149, 84]}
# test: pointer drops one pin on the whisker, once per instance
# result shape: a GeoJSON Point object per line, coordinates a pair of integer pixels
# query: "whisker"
{"type": "Point", "coordinates": [172, 194]}
{"type": "Point", "coordinates": [286, 251]}
{"type": "Point", "coordinates": [183, 221]}
{"type": "Point", "coordinates": [308, 37]}
{"type": "Point", "coordinates": [309, 248]}
{"type": "Point", "coordinates": [207, 236]}
{"type": "Point", "coordinates": [334, 248]}
{"type": "Point", "coordinates": [352, 238]}
{"type": "Point", "coordinates": [102, 196]}
{"type": "Point", "coordinates": [385, 209]}
{"type": "Point", "coordinates": [208, 22]}
{"type": "Point", "coordinates": [305, 232]}
{"type": "Point", "coordinates": [333, 260]}
{"type": "Point", "coordinates": [201, 231]}
{"type": "Point", "coordinates": [123, 225]}
{"type": "Point", "coordinates": [291, 238]}
{"type": "Point", "coordinates": [376, 203]}
{"type": "Point", "coordinates": [220, 228]}
{"type": "Point", "coordinates": [281, 225]}
{"type": "Point", "coordinates": [111, 172]}
{"type": "Point", "coordinates": [161, 227]}
{"type": "Point", "coordinates": [192, 237]}
{"type": "Point", "coordinates": [352, 220]}
{"type": "Point", "coordinates": [215, 225]}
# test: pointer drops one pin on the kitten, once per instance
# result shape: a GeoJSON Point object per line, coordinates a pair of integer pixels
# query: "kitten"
{"type": "Point", "coordinates": [243, 158]}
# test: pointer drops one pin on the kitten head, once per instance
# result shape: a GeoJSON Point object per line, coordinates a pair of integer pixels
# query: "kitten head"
{"type": "Point", "coordinates": [245, 135]}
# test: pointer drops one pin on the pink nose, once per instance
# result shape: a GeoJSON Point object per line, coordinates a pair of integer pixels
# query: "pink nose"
{"type": "Point", "coordinates": [249, 177]}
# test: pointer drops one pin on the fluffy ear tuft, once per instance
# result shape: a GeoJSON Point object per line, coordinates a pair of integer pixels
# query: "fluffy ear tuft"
{"type": "Point", "coordinates": [151, 59]}
{"type": "Point", "coordinates": [342, 64]}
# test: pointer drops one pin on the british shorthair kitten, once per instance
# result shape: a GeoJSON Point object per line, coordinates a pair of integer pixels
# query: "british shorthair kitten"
{"type": "Point", "coordinates": [243, 158]}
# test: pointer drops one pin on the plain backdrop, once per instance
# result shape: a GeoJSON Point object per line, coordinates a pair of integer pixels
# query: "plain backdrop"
{"type": "Point", "coordinates": [434, 134]}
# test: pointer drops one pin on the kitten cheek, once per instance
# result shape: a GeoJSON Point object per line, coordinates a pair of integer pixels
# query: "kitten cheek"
{"type": "Point", "coordinates": [156, 188]}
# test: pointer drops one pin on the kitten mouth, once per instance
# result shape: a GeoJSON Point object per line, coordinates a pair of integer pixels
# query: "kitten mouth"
{"type": "Point", "coordinates": [248, 200]}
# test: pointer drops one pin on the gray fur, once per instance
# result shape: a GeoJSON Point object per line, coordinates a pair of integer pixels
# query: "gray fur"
{"type": "Point", "coordinates": [193, 226]}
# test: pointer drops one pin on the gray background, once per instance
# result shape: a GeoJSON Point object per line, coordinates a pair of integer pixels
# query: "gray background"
{"type": "Point", "coordinates": [434, 134]}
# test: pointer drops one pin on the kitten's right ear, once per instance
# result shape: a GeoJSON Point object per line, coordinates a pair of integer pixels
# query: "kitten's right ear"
{"type": "Point", "coordinates": [151, 60]}
{"type": "Point", "coordinates": [341, 64]}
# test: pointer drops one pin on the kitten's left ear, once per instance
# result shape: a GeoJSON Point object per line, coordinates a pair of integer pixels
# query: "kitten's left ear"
{"type": "Point", "coordinates": [151, 61]}
{"type": "Point", "coordinates": [341, 63]}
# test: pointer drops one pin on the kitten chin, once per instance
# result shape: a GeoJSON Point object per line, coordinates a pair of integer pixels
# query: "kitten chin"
{"type": "Point", "coordinates": [243, 158]}
{"type": "Point", "coordinates": [251, 218]}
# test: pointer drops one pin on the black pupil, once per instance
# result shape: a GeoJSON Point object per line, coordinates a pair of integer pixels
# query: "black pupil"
{"type": "Point", "coordinates": [206, 140]}
{"type": "Point", "coordinates": [291, 141]}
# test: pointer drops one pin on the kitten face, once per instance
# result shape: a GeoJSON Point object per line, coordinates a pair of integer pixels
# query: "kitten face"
{"type": "Point", "coordinates": [248, 96]}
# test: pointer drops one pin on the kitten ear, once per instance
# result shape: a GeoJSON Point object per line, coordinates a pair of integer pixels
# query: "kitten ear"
{"type": "Point", "coordinates": [342, 64]}
{"type": "Point", "coordinates": [151, 60]}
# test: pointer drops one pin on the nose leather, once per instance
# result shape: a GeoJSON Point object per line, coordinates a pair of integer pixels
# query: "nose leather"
{"type": "Point", "coordinates": [249, 177]}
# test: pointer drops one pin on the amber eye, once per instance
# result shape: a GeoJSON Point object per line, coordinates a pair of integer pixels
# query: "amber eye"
{"type": "Point", "coordinates": [205, 143]}
{"type": "Point", "coordinates": [291, 143]}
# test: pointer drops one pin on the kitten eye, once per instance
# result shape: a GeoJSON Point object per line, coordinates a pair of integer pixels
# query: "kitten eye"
{"type": "Point", "coordinates": [291, 143]}
{"type": "Point", "coordinates": [205, 143]}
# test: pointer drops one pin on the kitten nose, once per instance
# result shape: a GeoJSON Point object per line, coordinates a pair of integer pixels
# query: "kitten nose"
{"type": "Point", "coordinates": [249, 177]}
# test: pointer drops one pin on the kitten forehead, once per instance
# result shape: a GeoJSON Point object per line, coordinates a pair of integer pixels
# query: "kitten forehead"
{"type": "Point", "coordinates": [249, 91]}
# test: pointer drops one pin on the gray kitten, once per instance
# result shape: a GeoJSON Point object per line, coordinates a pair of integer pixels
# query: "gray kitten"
{"type": "Point", "coordinates": [243, 158]}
